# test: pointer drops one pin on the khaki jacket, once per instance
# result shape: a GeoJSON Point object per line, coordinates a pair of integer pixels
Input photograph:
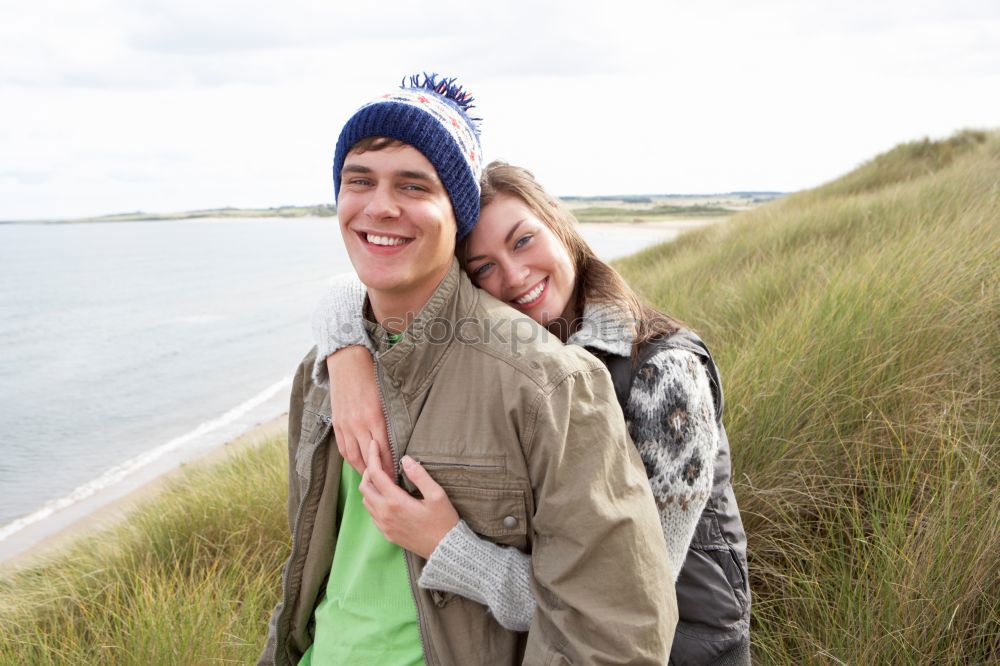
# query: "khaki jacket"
{"type": "Point", "coordinates": [528, 440]}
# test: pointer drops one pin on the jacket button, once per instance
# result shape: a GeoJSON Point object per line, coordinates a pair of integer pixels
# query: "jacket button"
{"type": "Point", "coordinates": [510, 522]}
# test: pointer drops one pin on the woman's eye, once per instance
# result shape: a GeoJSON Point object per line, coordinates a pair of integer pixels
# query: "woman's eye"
{"type": "Point", "coordinates": [522, 241]}
{"type": "Point", "coordinates": [481, 270]}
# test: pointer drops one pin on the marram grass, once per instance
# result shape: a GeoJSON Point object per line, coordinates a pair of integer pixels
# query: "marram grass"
{"type": "Point", "coordinates": [187, 579]}
{"type": "Point", "coordinates": [856, 327]}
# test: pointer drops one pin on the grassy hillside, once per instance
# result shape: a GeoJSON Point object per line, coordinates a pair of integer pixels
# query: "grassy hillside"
{"type": "Point", "coordinates": [856, 326]}
{"type": "Point", "coordinates": [652, 212]}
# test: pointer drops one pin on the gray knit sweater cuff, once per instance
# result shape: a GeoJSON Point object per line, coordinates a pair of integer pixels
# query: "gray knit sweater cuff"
{"type": "Point", "coordinates": [338, 322]}
{"type": "Point", "coordinates": [477, 569]}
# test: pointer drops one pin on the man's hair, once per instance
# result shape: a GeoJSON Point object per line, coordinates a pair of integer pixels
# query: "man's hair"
{"type": "Point", "coordinates": [374, 144]}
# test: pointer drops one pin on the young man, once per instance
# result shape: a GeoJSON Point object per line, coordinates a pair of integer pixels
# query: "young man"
{"type": "Point", "coordinates": [523, 434]}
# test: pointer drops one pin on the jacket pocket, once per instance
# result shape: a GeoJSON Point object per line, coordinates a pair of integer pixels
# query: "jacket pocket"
{"type": "Point", "coordinates": [712, 607]}
{"type": "Point", "coordinates": [712, 599]}
{"type": "Point", "coordinates": [497, 514]}
{"type": "Point", "coordinates": [451, 466]}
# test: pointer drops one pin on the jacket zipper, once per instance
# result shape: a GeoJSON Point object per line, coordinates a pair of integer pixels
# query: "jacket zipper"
{"type": "Point", "coordinates": [397, 470]}
{"type": "Point", "coordinates": [388, 423]}
{"type": "Point", "coordinates": [278, 644]}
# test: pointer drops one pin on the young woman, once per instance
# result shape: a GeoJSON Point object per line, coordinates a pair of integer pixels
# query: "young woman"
{"type": "Point", "coordinates": [526, 251]}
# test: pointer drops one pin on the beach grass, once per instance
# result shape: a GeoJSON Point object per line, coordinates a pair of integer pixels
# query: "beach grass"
{"type": "Point", "coordinates": [189, 578]}
{"type": "Point", "coordinates": [857, 329]}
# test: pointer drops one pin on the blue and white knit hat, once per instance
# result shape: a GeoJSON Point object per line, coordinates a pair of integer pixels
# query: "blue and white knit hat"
{"type": "Point", "coordinates": [432, 115]}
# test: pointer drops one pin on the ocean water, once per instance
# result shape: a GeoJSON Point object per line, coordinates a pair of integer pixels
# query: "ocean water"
{"type": "Point", "coordinates": [127, 348]}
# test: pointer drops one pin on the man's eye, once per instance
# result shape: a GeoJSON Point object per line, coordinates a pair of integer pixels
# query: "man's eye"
{"type": "Point", "coordinates": [359, 181]}
{"type": "Point", "coordinates": [523, 240]}
{"type": "Point", "coordinates": [415, 188]}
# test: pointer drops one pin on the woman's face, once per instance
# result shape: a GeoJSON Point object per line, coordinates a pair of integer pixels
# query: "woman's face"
{"type": "Point", "coordinates": [516, 258]}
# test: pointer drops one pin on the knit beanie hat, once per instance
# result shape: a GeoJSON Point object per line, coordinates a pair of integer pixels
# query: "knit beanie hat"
{"type": "Point", "coordinates": [431, 115]}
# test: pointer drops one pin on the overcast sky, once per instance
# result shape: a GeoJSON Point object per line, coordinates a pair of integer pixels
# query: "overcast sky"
{"type": "Point", "coordinates": [123, 105]}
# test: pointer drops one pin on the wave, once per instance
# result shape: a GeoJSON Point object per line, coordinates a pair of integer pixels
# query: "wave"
{"type": "Point", "coordinates": [119, 472]}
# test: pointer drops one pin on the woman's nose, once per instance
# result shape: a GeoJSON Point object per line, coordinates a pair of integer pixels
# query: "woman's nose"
{"type": "Point", "coordinates": [515, 274]}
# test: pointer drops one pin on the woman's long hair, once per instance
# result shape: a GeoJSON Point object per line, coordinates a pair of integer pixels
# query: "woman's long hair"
{"type": "Point", "coordinates": [596, 282]}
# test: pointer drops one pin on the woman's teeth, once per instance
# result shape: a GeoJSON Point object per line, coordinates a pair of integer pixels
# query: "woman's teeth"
{"type": "Point", "coordinates": [532, 295]}
{"type": "Point", "coordinates": [384, 240]}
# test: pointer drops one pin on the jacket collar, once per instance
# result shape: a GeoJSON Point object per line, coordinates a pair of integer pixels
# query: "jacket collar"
{"type": "Point", "coordinates": [410, 364]}
{"type": "Point", "coordinates": [605, 327]}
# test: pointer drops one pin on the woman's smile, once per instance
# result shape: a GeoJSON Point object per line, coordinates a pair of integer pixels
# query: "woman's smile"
{"type": "Point", "coordinates": [532, 297]}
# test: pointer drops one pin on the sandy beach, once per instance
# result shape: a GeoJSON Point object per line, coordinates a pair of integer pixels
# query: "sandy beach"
{"type": "Point", "coordinates": [119, 508]}
{"type": "Point", "coordinates": [677, 225]}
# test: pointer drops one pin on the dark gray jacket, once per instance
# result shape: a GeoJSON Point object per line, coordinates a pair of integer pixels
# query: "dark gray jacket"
{"type": "Point", "coordinates": [713, 592]}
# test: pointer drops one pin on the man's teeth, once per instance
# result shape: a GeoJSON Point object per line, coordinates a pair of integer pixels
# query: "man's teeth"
{"type": "Point", "coordinates": [531, 295]}
{"type": "Point", "coordinates": [384, 240]}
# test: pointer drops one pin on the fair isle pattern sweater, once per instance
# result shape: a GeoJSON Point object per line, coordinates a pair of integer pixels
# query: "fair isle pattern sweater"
{"type": "Point", "coordinates": [670, 416]}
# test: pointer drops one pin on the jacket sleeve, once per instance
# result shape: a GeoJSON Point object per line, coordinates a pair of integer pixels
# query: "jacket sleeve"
{"type": "Point", "coordinates": [603, 585]}
{"type": "Point", "coordinates": [671, 417]}
{"type": "Point", "coordinates": [338, 322]}
{"type": "Point", "coordinates": [478, 569]}
{"type": "Point", "coordinates": [295, 411]}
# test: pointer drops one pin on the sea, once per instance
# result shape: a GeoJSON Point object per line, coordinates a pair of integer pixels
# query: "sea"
{"type": "Point", "coordinates": [130, 348]}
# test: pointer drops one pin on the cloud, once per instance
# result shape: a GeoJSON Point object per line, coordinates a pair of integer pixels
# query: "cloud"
{"type": "Point", "coordinates": [160, 45]}
{"type": "Point", "coordinates": [27, 176]}
{"type": "Point", "coordinates": [135, 104]}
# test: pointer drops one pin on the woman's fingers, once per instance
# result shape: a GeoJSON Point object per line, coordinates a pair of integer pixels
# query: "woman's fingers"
{"type": "Point", "coordinates": [385, 454]}
{"type": "Point", "coordinates": [427, 486]}
{"type": "Point", "coordinates": [352, 453]}
{"type": "Point", "coordinates": [368, 490]}
{"type": "Point", "coordinates": [382, 482]}
{"type": "Point", "coordinates": [363, 452]}
{"type": "Point", "coordinates": [416, 525]}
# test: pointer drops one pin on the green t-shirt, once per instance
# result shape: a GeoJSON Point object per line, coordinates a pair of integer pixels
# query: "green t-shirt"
{"type": "Point", "coordinates": [368, 615]}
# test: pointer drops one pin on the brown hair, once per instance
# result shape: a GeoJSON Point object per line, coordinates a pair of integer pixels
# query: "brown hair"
{"type": "Point", "coordinates": [374, 144]}
{"type": "Point", "coordinates": [596, 281]}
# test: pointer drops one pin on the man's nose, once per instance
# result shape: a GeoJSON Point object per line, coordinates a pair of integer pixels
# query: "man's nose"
{"type": "Point", "coordinates": [381, 204]}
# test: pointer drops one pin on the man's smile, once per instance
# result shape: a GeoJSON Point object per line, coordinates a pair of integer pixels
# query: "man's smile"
{"type": "Point", "coordinates": [383, 243]}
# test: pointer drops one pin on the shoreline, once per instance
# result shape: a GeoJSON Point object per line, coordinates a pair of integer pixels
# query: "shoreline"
{"type": "Point", "coordinates": [675, 225]}
{"type": "Point", "coordinates": [39, 540]}
{"type": "Point", "coordinates": [119, 508]}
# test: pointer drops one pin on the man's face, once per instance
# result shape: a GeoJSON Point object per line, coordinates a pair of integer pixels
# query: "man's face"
{"type": "Point", "coordinates": [396, 219]}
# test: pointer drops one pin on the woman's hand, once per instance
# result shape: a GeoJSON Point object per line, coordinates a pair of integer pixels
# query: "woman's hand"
{"type": "Point", "coordinates": [416, 525]}
{"type": "Point", "coordinates": [355, 408]}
